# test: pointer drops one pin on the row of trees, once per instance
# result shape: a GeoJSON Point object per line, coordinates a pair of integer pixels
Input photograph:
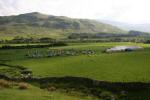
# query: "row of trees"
{"type": "Point", "coordinates": [132, 36]}
{"type": "Point", "coordinates": [33, 46]}
{"type": "Point", "coordinates": [106, 35]}
{"type": "Point", "coordinates": [18, 39]}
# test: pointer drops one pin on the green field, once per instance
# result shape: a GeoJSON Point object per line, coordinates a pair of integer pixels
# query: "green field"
{"type": "Point", "coordinates": [114, 67]}
{"type": "Point", "coordinates": [47, 57]}
{"type": "Point", "coordinates": [129, 66]}
{"type": "Point", "coordinates": [34, 93]}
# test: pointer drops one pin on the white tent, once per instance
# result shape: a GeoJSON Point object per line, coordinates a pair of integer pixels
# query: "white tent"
{"type": "Point", "coordinates": [123, 48]}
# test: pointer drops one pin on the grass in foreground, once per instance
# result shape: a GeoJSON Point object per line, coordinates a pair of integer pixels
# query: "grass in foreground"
{"type": "Point", "coordinates": [34, 93]}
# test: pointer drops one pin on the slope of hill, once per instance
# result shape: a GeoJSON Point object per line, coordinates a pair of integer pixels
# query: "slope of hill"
{"type": "Point", "coordinates": [128, 26]}
{"type": "Point", "coordinates": [37, 25]}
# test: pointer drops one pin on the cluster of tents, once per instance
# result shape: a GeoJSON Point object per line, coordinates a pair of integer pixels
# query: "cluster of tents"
{"type": "Point", "coordinates": [59, 52]}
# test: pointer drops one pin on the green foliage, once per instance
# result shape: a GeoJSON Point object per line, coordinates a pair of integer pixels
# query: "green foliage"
{"type": "Point", "coordinates": [10, 72]}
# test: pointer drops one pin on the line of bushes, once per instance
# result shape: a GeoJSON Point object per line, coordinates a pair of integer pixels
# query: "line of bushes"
{"type": "Point", "coordinates": [89, 83]}
{"type": "Point", "coordinates": [33, 46]}
{"type": "Point", "coordinates": [101, 89]}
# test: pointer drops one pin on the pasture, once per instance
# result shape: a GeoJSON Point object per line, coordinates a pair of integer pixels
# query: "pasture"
{"type": "Point", "coordinates": [34, 93]}
{"type": "Point", "coordinates": [117, 67]}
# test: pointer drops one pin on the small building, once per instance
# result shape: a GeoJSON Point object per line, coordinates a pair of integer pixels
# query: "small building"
{"type": "Point", "coordinates": [123, 48]}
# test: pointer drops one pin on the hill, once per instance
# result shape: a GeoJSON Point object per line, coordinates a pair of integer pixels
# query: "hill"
{"type": "Point", "coordinates": [39, 25]}
{"type": "Point", "coordinates": [129, 26]}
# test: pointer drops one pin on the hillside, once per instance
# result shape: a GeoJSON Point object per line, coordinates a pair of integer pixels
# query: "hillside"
{"type": "Point", "coordinates": [129, 26]}
{"type": "Point", "coordinates": [39, 25]}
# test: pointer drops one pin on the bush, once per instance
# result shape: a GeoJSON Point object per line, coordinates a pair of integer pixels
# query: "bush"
{"type": "Point", "coordinates": [107, 96]}
{"type": "Point", "coordinates": [51, 88]}
{"type": "Point", "coordinates": [5, 83]}
{"type": "Point", "coordinates": [23, 86]}
{"type": "Point", "coordinates": [123, 94]}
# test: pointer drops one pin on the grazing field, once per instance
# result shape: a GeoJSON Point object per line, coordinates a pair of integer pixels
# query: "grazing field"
{"type": "Point", "coordinates": [118, 67]}
{"type": "Point", "coordinates": [114, 67]}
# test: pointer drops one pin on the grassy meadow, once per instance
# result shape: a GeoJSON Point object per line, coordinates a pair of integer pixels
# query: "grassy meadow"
{"type": "Point", "coordinates": [47, 57]}
{"type": "Point", "coordinates": [34, 93]}
{"type": "Point", "coordinates": [117, 67]}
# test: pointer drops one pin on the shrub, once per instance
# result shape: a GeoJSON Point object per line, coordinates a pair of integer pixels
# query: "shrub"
{"type": "Point", "coordinates": [123, 94]}
{"type": "Point", "coordinates": [51, 88]}
{"type": "Point", "coordinates": [107, 96]}
{"type": "Point", "coordinates": [5, 83]}
{"type": "Point", "coordinates": [23, 86]}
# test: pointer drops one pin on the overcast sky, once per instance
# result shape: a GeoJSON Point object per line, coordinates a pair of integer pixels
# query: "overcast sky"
{"type": "Point", "coordinates": [130, 11]}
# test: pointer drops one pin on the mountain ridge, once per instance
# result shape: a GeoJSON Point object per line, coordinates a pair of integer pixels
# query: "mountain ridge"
{"type": "Point", "coordinates": [37, 24]}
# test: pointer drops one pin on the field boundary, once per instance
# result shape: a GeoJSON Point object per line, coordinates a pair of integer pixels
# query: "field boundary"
{"type": "Point", "coordinates": [33, 46]}
{"type": "Point", "coordinates": [86, 82]}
